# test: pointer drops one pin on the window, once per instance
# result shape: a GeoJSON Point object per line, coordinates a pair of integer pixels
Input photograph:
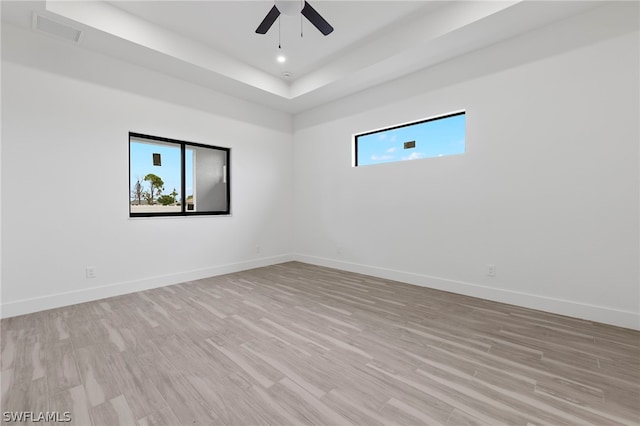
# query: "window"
{"type": "Point", "coordinates": [433, 137]}
{"type": "Point", "coordinates": [175, 178]}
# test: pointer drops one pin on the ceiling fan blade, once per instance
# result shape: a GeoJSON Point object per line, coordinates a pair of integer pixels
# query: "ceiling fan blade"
{"type": "Point", "coordinates": [318, 21]}
{"type": "Point", "coordinates": [268, 21]}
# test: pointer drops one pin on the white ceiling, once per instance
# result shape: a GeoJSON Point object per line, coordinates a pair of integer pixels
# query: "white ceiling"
{"type": "Point", "coordinates": [214, 44]}
{"type": "Point", "coordinates": [229, 27]}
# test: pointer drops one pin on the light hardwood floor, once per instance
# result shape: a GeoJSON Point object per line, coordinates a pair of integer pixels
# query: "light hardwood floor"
{"type": "Point", "coordinates": [300, 344]}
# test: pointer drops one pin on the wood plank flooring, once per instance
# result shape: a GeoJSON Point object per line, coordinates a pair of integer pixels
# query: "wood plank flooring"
{"type": "Point", "coordinates": [296, 344]}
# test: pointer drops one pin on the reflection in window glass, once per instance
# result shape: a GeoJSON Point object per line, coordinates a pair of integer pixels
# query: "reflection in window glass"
{"type": "Point", "coordinates": [206, 179]}
{"type": "Point", "coordinates": [434, 137]}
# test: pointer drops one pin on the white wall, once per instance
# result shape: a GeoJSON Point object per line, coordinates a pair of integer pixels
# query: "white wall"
{"type": "Point", "coordinates": [65, 127]}
{"type": "Point", "coordinates": [547, 191]}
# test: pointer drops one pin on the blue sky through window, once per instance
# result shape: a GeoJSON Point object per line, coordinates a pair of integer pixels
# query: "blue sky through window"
{"type": "Point", "coordinates": [434, 138]}
{"type": "Point", "coordinates": [141, 163]}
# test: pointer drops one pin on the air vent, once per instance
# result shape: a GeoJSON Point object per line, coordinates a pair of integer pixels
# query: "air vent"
{"type": "Point", "coordinates": [56, 29]}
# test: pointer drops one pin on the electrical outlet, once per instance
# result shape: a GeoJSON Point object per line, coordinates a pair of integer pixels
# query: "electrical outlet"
{"type": "Point", "coordinates": [91, 271]}
{"type": "Point", "coordinates": [491, 270]}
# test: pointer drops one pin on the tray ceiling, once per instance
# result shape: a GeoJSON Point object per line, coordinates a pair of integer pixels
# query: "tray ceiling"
{"type": "Point", "coordinates": [214, 44]}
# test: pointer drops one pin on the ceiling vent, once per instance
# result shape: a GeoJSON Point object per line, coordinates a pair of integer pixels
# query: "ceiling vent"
{"type": "Point", "coordinates": [56, 29]}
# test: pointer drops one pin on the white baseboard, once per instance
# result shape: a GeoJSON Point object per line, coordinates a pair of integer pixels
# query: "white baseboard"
{"type": "Point", "coordinates": [627, 319]}
{"type": "Point", "coordinates": [36, 304]}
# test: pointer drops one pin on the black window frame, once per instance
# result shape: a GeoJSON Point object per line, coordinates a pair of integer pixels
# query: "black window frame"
{"type": "Point", "coordinates": [399, 126]}
{"type": "Point", "coordinates": [183, 205]}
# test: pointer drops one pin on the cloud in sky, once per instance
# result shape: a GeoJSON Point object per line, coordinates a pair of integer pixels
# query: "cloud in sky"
{"type": "Point", "coordinates": [392, 149]}
{"type": "Point", "coordinates": [413, 156]}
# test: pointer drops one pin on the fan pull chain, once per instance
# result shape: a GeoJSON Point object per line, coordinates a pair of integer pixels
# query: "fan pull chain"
{"type": "Point", "coordinates": [279, 36]}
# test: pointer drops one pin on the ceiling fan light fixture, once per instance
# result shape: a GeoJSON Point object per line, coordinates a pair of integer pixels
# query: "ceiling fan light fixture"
{"type": "Point", "coordinates": [281, 58]}
{"type": "Point", "coordinates": [289, 7]}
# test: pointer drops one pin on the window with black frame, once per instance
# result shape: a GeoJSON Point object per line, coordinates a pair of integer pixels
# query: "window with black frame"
{"type": "Point", "coordinates": [169, 177]}
{"type": "Point", "coordinates": [439, 136]}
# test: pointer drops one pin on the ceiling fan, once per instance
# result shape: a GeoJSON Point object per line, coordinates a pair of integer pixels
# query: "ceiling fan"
{"type": "Point", "coordinates": [288, 7]}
